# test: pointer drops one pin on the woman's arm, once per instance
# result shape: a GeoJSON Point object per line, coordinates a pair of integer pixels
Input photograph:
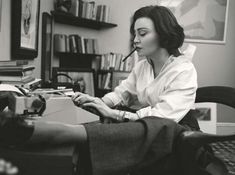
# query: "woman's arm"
{"type": "Point", "coordinates": [177, 98]}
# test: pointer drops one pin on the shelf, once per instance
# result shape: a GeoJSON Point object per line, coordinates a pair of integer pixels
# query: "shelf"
{"type": "Point", "coordinates": [112, 71]}
{"type": "Point", "coordinates": [79, 60]}
{"type": "Point", "coordinates": [104, 90]}
{"type": "Point", "coordinates": [103, 71]}
{"type": "Point", "coordinates": [69, 19]}
{"type": "Point", "coordinates": [62, 54]}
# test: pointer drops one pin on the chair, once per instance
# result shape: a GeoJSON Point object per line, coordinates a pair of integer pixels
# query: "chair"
{"type": "Point", "coordinates": [223, 146]}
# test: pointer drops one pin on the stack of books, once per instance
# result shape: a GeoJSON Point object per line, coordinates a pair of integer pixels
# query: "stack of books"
{"type": "Point", "coordinates": [104, 81]}
{"type": "Point", "coordinates": [75, 44]}
{"type": "Point", "coordinates": [89, 10]}
{"type": "Point", "coordinates": [114, 61]}
{"type": "Point", "coordinates": [18, 72]}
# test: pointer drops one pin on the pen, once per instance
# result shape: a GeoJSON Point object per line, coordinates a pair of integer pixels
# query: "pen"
{"type": "Point", "coordinates": [124, 59]}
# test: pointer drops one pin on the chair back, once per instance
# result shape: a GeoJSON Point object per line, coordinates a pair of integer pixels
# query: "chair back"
{"type": "Point", "coordinates": [216, 94]}
{"type": "Point", "coordinates": [225, 150]}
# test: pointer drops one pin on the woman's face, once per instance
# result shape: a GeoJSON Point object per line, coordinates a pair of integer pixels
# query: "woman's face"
{"type": "Point", "coordinates": [146, 38]}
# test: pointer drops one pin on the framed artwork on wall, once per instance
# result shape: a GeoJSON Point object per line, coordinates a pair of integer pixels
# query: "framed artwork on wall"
{"type": "Point", "coordinates": [74, 77]}
{"type": "Point", "coordinates": [204, 21]}
{"type": "Point", "coordinates": [0, 14]}
{"type": "Point", "coordinates": [24, 29]}
{"type": "Point", "coordinates": [206, 114]}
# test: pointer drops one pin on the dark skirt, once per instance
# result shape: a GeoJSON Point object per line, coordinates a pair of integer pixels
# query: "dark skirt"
{"type": "Point", "coordinates": [141, 147]}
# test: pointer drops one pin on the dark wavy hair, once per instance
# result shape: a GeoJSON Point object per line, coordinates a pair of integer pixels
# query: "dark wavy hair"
{"type": "Point", "coordinates": [171, 34]}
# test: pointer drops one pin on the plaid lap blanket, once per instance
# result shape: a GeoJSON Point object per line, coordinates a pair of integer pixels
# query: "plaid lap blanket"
{"type": "Point", "coordinates": [226, 151]}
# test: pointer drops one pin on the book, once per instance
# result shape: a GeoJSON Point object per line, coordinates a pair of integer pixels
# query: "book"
{"type": "Point", "coordinates": [73, 43]}
{"type": "Point", "coordinates": [17, 73]}
{"type": "Point", "coordinates": [23, 79]}
{"type": "Point", "coordinates": [83, 45]}
{"type": "Point", "coordinates": [16, 68]}
{"type": "Point", "coordinates": [107, 84]}
{"type": "Point", "coordinates": [96, 46]}
{"type": "Point", "coordinates": [118, 61]}
{"type": "Point", "coordinates": [80, 8]}
{"type": "Point", "coordinates": [28, 85]}
{"type": "Point", "coordinates": [98, 12]}
{"type": "Point", "coordinates": [13, 63]}
{"type": "Point", "coordinates": [104, 76]}
{"type": "Point", "coordinates": [105, 16]}
{"type": "Point", "coordinates": [84, 9]}
{"type": "Point", "coordinates": [86, 45]}
{"type": "Point", "coordinates": [59, 43]}
{"type": "Point", "coordinates": [74, 10]}
{"type": "Point", "coordinates": [67, 47]}
{"type": "Point", "coordinates": [79, 44]}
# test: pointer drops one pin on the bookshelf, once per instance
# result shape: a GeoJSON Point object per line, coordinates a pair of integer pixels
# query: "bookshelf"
{"type": "Point", "coordinates": [78, 59]}
{"type": "Point", "coordinates": [82, 60]}
{"type": "Point", "coordinates": [107, 80]}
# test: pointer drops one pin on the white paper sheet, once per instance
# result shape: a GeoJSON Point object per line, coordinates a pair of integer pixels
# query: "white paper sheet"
{"type": "Point", "coordinates": [7, 87]}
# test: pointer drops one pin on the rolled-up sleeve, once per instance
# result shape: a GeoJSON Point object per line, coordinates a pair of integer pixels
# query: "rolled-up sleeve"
{"type": "Point", "coordinates": [177, 98]}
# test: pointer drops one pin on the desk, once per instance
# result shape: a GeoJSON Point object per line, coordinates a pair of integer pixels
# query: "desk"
{"type": "Point", "coordinates": [43, 160]}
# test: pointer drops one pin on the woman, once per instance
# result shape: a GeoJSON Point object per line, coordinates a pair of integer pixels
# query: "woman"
{"type": "Point", "coordinates": [164, 84]}
{"type": "Point", "coordinates": [161, 88]}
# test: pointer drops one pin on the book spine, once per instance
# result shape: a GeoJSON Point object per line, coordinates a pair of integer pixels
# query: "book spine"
{"type": "Point", "coordinates": [107, 81]}
{"type": "Point", "coordinates": [74, 10]}
{"type": "Point", "coordinates": [83, 45]}
{"type": "Point", "coordinates": [72, 43]}
{"type": "Point", "coordinates": [98, 12]}
{"type": "Point", "coordinates": [59, 43]}
{"type": "Point", "coordinates": [67, 44]}
{"type": "Point", "coordinates": [80, 8]}
{"type": "Point", "coordinates": [79, 44]}
{"type": "Point", "coordinates": [96, 46]}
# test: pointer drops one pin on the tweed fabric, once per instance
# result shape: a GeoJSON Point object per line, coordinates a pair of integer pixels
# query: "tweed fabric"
{"type": "Point", "coordinates": [226, 152]}
{"type": "Point", "coordinates": [121, 148]}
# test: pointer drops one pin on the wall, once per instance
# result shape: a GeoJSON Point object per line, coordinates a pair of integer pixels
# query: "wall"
{"type": "Point", "coordinates": [5, 31]}
{"type": "Point", "coordinates": [213, 62]}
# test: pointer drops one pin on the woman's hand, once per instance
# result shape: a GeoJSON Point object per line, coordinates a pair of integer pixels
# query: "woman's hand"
{"type": "Point", "coordinates": [80, 98]}
{"type": "Point", "coordinates": [103, 109]}
{"type": "Point", "coordinates": [85, 100]}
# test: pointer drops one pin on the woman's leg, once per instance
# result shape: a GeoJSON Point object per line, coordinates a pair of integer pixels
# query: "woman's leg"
{"type": "Point", "coordinates": [132, 147]}
{"type": "Point", "coordinates": [57, 133]}
{"type": "Point", "coordinates": [15, 130]}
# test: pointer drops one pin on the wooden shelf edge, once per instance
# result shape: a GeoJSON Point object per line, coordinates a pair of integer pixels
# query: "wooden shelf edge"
{"type": "Point", "coordinates": [104, 90]}
{"type": "Point", "coordinates": [66, 18]}
{"type": "Point", "coordinates": [112, 71]}
{"type": "Point", "coordinates": [76, 54]}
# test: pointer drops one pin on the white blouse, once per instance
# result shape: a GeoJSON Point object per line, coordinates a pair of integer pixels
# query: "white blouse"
{"type": "Point", "coordinates": [170, 95]}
